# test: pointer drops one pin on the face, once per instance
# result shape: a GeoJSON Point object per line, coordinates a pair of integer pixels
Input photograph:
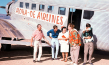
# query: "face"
{"type": "Point", "coordinates": [69, 28]}
{"type": "Point", "coordinates": [64, 30]}
{"type": "Point", "coordinates": [87, 27]}
{"type": "Point", "coordinates": [55, 29]}
{"type": "Point", "coordinates": [39, 27]}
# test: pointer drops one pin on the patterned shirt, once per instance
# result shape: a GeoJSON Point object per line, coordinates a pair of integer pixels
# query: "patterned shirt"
{"type": "Point", "coordinates": [74, 38]}
{"type": "Point", "coordinates": [38, 34]}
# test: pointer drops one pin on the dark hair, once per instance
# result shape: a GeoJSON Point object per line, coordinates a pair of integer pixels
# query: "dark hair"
{"type": "Point", "coordinates": [88, 25]}
{"type": "Point", "coordinates": [71, 25]}
{"type": "Point", "coordinates": [54, 26]}
{"type": "Point", "coordinates": [38, 25]}
{"type": "Point", "coordinates": [63, 28]}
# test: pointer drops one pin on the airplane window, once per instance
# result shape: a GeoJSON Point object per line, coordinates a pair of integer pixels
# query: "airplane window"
{"type": "Point", "coordinates": [72, 10]}
{"type": "Point", "coordinates": [62, 10]}
{"type": "Point", "coordinates": [16, 0]}
{"type": "Point", "coordinates": [21, 4]}
{"type": "Point", "coordinates": [27, 5]}
{"type": "Point", "coordinates": [88, 14]}
{"type": "Point", "coordinates": [50, 9]}
{"type": "Point", "coordinates": [41, 7]}
{"type": "Point", "coordinates": [33, 7]}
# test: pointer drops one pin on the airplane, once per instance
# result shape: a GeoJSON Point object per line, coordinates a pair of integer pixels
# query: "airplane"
{"type": "Point", "coordinates": [26, 14]}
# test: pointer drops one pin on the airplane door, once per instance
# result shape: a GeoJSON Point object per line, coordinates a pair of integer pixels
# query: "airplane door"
{"type": "Point", "coordinates": [74, 17]}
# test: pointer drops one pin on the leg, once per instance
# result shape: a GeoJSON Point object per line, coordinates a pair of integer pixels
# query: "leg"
{"type": "Point", "coordinates": [40, 53]}
{"type": "Point", "coordinates": [91, 47]}
{"type": "Point", "coordinates": [52, 43]}
{"type": "Point", "coordinates": [35, 50]}
{"type": "Point", "coordinates": [57, 48]}
{"type": "Point", "coordinates": [66, 56]}
{"type": "Point", "coordinates": [85, 52]}
{"type": "Point", "coordinates": [76, 54]}
{"type": "Point", "coordinates": [63, 56]}
{"type": "Point", "coordinates": [72, 55]}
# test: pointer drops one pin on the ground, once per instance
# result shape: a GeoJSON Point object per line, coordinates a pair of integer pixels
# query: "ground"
{"type": "Point", "coordinates": [23, 55]}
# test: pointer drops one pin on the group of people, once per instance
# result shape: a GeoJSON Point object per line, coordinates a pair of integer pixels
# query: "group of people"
{"type": "Point", "coordinates": [65, 38]}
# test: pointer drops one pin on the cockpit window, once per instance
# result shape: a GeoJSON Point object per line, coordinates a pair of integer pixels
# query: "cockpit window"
{"type": "Point", "coordinates": [41, 7]}
{"type": "Point", "coordinates": [62, 10]}
{"type": "Point", "coordinates": [21, 4]}
{"type": "Point", "coordinates": [33, 7]}
{"type": "Point", "coordinates": [50, 9]}
{"type": "Point", "coordinates": [27, 5]}
{"type": "Point", "coordinates": [88, 14]}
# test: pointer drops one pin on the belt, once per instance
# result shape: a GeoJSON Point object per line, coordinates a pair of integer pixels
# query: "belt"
{"type": "Point", "coordinates": [39, 40]}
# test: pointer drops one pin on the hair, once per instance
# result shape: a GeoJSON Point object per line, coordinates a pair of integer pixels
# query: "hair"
{"type": "Point", "coordinates": [63, 28]}
{"type": "Point", "coordinates": [71, 25]}
{"type": "Point", "coordinates": [38, 25]}
{"type": "Point", "coordinates": [88, 25]}
{"type": "Point", "coordinates": [54, 26]}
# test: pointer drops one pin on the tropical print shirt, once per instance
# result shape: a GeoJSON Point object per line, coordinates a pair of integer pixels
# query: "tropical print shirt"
{"type": "Point", "coordinates": [74, 38]}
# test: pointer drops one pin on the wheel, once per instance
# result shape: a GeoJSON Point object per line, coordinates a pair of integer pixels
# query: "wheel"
{"type": "Point", "coordinates": [5, 47]}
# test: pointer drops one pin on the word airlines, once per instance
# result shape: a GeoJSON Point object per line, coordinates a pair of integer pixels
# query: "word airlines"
{"type": "Point", "coordinates": [52, 18]}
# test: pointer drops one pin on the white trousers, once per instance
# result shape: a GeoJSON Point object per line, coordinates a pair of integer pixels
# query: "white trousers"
{"type": "Point", "coordinates": [55, 42]}
{"type": "Point", "coordinates": [37, 45]}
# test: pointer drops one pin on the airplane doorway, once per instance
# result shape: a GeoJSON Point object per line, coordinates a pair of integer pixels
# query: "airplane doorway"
{"type": "Point", "coordinates": [75, 17]}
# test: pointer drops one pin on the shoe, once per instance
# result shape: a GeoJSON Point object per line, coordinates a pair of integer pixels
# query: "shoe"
{"type": "Point", "coordinates": [52, 59]}
{"type": "Point", "coordinates": [34, 61]}
{"type": "Point", "coordinates": [56, 59]}
{"type": "Point", "coordinates": [38, 60]}
{"type": "Point", "coordinates": [84, 63]}
{"type": "Point", "coordinates": [74, 64]}
{"type": "Point", "coordinates": [71, 62]}
{"type": "Point", "coordinates": [91, 63]}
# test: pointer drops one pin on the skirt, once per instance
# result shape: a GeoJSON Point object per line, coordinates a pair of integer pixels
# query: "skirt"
{"type": "Point", "coordinates": [64, 47]}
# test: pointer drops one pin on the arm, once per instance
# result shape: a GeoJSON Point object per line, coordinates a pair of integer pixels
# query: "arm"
{"type": "Point", "coordinates": [48, 34]}
{"type": "Point", "coordinates": [33, 35]}
{"type": "Point", "coordinates": [46, 40]}
{"type": "Point", "coordinates": [63, 38]}
{"type": "Point", "coordinates": [31, 41]}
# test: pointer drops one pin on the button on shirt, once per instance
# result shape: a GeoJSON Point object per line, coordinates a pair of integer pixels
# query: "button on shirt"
{"type": "Point", "coordinates": [54, 35]}
{"type": "Point", "coordinates": [38, 35]}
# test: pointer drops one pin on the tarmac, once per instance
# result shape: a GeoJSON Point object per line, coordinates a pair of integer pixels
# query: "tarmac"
{"type": "Point", "coordinates": [23, 55]}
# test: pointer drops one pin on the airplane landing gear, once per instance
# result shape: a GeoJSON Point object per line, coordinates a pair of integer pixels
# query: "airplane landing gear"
{"type": "Point", "coordinates": [5, 47]}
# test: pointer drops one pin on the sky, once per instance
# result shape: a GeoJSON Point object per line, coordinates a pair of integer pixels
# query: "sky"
{"type": "Point", "coordinates": [3, 3]}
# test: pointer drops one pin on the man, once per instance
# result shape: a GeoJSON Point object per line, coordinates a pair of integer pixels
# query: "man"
{"type": "Point", "coordinates": [55, 32]}
{"type": "Point", "coordinates": [88, 43]}
{"type": "Point", "coordinates": [75, 43]}
{"type": "Point", "coordinates": [37, 36]}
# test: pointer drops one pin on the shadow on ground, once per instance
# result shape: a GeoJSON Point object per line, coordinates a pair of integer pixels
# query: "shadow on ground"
{"type": "Point", "coordinates": [25, 52]}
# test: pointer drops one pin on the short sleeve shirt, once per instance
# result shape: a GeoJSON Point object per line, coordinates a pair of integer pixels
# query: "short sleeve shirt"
{"type": "Point", "coordinates": [38, 34]}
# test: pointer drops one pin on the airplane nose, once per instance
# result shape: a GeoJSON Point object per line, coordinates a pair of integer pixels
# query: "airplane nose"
{"type": "Point", "coordinates": [2, 7]}
{"type": "Point", "coordinates": [7, 7]}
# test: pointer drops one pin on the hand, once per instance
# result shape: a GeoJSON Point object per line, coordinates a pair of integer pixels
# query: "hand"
{"type": "Point", "coordinates": [31, 45]}
{"type": "Point", "coordinates": [84, 31]}
{"type": "Point", "coordinates": [48, 43]}
{"type": "Point", "coordinates": [74, 45]}
{"type": "Point", "coordinates": [50, 37]}
{"type": "Point", "coordinates": [89, 37]}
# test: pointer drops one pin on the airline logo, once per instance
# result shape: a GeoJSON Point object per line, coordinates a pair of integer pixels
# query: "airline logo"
{"type": "Point", "coordinates": [48, 17]}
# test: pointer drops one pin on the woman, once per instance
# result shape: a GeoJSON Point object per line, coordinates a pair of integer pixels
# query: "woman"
{"type": "Point", "coordinates": [63, 39]}
{"type": "Point", "coordinates": [75, 43]}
